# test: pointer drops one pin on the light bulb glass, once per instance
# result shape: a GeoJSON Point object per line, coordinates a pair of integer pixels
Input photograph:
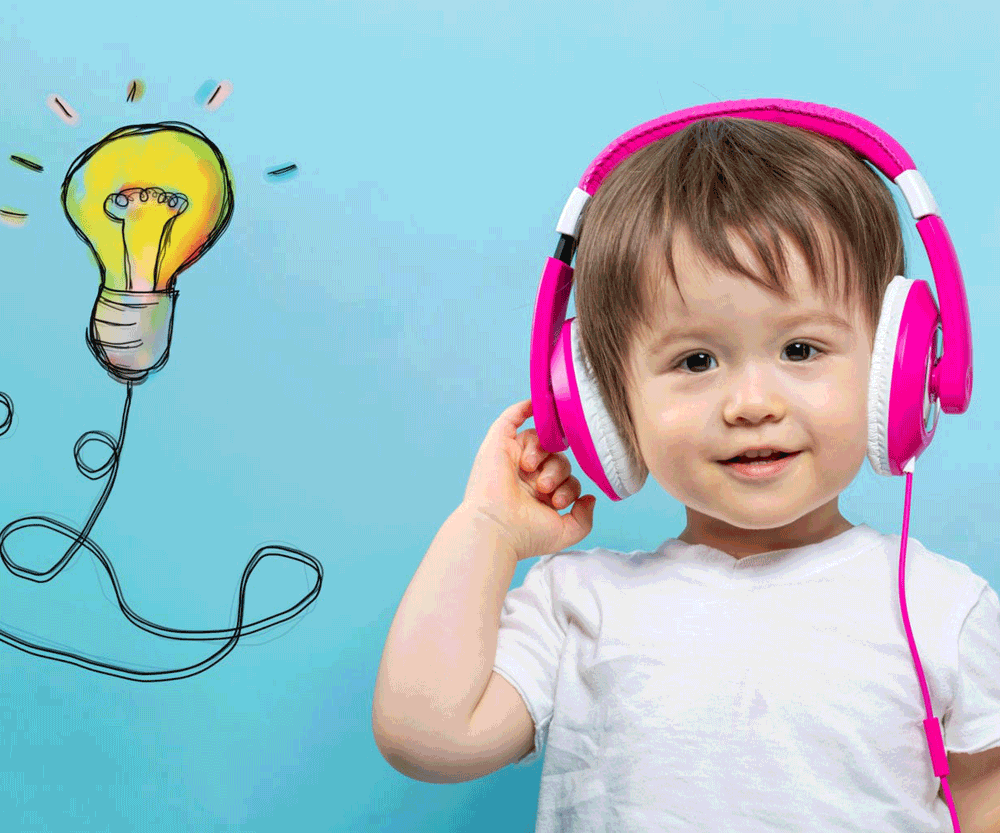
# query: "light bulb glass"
{"type": "Point", "coordinates": [149, 200]}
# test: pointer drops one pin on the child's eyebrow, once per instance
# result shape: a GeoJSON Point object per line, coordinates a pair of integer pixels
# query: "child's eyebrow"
{"type": "Point", "coordinates": [822, 317]}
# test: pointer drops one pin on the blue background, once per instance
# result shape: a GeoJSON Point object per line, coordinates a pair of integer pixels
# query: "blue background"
{"type": "Point", "coordinates": [339, 354]}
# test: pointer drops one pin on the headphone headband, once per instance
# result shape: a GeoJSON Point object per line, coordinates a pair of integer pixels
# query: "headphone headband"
{"type": "Point", "coordinates": [873, 143]}
{"type": "Point", "coordinates": [866, 138]}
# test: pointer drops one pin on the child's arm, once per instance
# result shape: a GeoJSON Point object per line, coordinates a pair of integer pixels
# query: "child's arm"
{"type": "Point", "coordinates": [438, 662]}
{"type": "Point", "coordinates": [439, 712]}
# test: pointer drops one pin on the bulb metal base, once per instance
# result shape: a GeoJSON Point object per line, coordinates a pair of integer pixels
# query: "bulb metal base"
{"type": "Point", "coordinates": [129, 332]}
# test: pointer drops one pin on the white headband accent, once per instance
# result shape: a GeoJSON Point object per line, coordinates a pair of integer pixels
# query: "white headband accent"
{"type": "Point", "coordinates": [918, 194]}
{"type": "Point", "coordinates": [569, 220]}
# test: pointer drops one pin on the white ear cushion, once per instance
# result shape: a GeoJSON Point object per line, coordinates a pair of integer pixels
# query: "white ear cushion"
{"type": "Point", "coordinates": [624, 478]}
{"type": "Point", "coordinates": [880, 375]}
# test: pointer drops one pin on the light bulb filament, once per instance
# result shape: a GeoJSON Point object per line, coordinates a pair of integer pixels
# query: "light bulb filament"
{"type": "Point", "coordinates": [146, 215]}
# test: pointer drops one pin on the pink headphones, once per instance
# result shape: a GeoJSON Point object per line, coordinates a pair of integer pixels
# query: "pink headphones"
{"type": "Point", "coordinates": [906, 378]}
{"type": "Point", "coordinates": [908, 374]}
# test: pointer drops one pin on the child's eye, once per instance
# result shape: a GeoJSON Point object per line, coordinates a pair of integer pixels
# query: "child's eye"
{"type": "Point", "coordinates": [690, 356]}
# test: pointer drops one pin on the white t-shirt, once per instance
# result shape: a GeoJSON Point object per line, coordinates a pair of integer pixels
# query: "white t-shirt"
{"type": "Point", "coordinates": [684, 690]}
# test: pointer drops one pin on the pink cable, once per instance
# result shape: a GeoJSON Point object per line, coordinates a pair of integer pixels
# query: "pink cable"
{"type": "Point", "coordinates": [932, 728]}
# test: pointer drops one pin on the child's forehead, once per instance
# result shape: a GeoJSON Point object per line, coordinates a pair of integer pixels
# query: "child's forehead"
{"type": "Point", "coordinates": [680, 275]}
{"type": "Point", "coordinates": [692, 292]}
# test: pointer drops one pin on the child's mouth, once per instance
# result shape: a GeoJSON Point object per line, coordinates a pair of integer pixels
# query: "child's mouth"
{"type": "Point", "coordinates": [760, 467]}
{"type": "Point", "coordinates": [775, 455]}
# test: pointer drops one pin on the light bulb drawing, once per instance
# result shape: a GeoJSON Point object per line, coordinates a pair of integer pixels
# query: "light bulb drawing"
{"type": "Point", "coordinates": [148, 200]}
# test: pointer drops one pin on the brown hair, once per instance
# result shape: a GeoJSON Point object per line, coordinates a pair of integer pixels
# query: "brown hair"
{"type": "Point", "coordinates": [763, 181]}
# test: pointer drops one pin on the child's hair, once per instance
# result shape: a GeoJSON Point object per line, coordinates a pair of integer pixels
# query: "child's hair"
{"type": "Point", "coordinates": [760, 180]}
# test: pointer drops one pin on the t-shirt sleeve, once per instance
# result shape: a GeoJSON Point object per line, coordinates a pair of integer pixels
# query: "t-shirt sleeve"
{"type": "Point", "coordinates": [974, 722]}
{"type": "Point", "coordinates": [529, 643]}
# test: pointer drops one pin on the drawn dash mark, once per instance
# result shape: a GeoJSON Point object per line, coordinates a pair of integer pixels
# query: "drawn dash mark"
{"type": "Point", "coordinates": [136, 90]}
{"type": "Point", "coordinates": [288, 171]}
{"type": "Point", "coordinates": [11, 217]}
{"type": "Point", "coordinates": [211, 94]}
{"type": "Point", "coordinates": [62, 109]}
{"type": "Point", "coordinates": [26, 162]}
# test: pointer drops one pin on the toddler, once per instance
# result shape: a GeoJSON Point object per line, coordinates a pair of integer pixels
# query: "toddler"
{"type": "Point", "coordinates": [751, 673]}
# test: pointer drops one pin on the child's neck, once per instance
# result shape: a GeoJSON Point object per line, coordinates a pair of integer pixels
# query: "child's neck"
{"type": "Point", "coordinates": [739, 543]}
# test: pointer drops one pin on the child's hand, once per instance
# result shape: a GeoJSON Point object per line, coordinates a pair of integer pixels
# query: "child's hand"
{"type": "Point", "coordinates": [521, 488]}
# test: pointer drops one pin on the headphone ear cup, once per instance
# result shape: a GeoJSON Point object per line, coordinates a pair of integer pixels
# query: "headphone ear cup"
{"type": "Point", "coordinates": [596, 444]}
{"type": "Point", "coordinates": [903, 356]}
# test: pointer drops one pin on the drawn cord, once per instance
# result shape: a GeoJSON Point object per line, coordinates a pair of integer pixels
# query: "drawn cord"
{"type": "Point", "coordinates": [81, 538]}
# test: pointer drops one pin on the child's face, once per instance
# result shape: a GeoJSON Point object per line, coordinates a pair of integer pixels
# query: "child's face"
{"type": "Point", "coordinates": [758, 386]}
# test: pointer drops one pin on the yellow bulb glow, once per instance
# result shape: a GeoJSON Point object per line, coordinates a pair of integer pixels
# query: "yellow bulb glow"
{"type": "Point", "coordinates": [145, 246]}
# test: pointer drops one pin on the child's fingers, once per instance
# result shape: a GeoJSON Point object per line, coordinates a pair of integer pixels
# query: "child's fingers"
{"type": "Point", "coordinates": [549, 472]}
{"type": "Point", "coordinates": [532, 453]}
{"type": "Point", "coordinates": [553, 472]}
{"type": "Point", "coordinates": [512, 418]}
{"type": "Point", "coordinates": [566, 493]}
{"type": "Point", "coordinates": [578, 523]}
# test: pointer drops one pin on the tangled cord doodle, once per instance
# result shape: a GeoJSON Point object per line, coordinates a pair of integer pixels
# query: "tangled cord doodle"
{"type": "Point", "coordinates": [80, 538]}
